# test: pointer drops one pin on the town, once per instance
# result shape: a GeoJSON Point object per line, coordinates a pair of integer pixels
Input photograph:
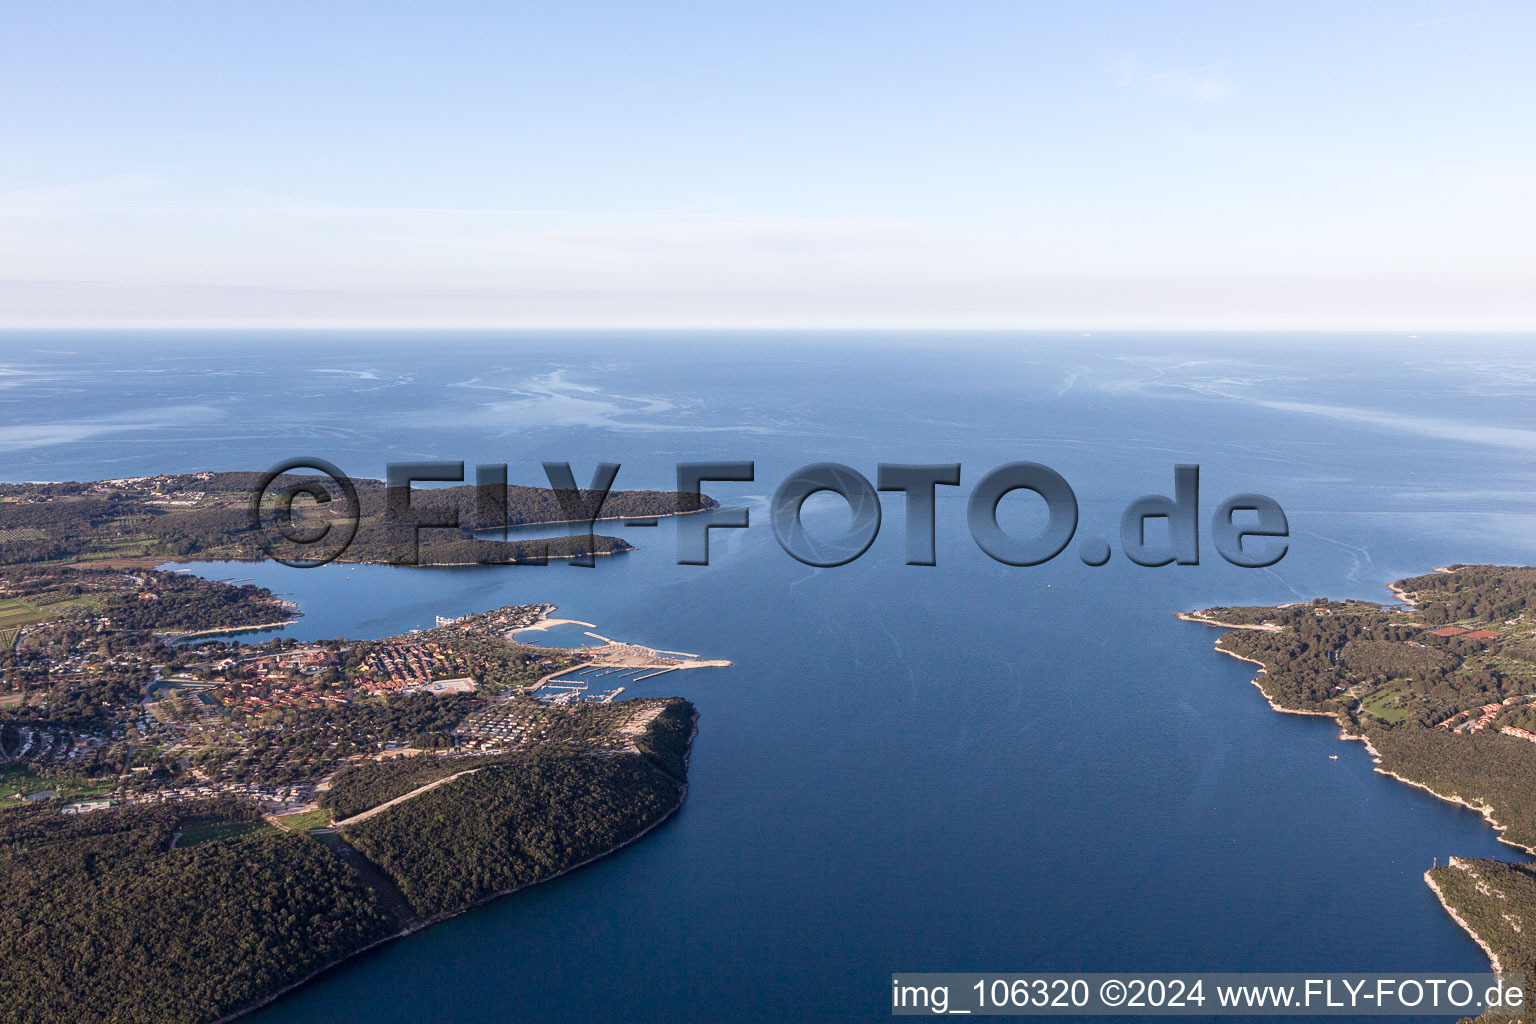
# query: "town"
{"type": "Point", "coordinates": [106, 704]}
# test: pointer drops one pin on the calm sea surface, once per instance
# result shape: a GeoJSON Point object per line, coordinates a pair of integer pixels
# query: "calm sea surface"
{"type": "Point", "coordinates": [966, 767]}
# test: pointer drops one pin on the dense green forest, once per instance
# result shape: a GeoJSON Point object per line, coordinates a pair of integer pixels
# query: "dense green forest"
{"type": "Point", "coordinates": [1490, 593]}
{"type": "Point", "coordinates": [206, 515]}
{"type": "Point", "coordinates": [512, 824]}
{"type": "Point", "coordinates": [139, 600]}
{"type": "Point", "coordinates": [175, 602]}
{"type": "Point", "coordinates": [665, 742]}
{"type": "Point", "coordinates": [1445, 692]}
{"type": "Point", "coordinates": [86, 898]}
{"type": "Point", "coordinates": [305, 744]}
{"type": "Point", "coordinates": [366, 784]}
{"type": "Point", "coordinates": [1332, 656]}
{"type": "Point", "coordinates": [1485, 769]}
{"type": "Point", "coordinates": [189, 910]}
{"type": "Point", "coordinates": [102, 922]}
{"type": "Point", "coordinates": [1498, 900]}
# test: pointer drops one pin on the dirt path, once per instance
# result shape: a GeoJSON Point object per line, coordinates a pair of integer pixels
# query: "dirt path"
{"type": "Point", "coordinates": [365, 815]}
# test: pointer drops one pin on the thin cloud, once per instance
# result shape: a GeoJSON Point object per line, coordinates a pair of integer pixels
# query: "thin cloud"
{"type": "Point", "coordinates": [76, 197]}
{"type": "Point", "coordinates": [1204, 84]}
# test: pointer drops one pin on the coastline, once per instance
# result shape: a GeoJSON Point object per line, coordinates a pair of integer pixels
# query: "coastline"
{"type": "Point", "coordinates": [154, 561]}
{"type": "Point", "coordinates": [1345, 735]}
{"type": "Point", "coordinates": [610, 519]}
{"type": "Point", "coordinates": [151, 561]}
{"type": "Point", "coordinates": [1493, 957]}
{"type": "Point", "coordinates": [187, 634]}
{"type": "Point", "coordinates": [1402, 595]}
{"type": "Point", "coordinates": [424, 923]}
{"type": "Point", "coordinates": [1485, 810]}
{"type": "Point", "coordinates": [1263, 669]}
{"type": "Point", "coordinates": [544, 621]}
{"type": "Point", "coordinates": [1205, 620]}
{"type": "Point", "coordinates": [1257, 685]}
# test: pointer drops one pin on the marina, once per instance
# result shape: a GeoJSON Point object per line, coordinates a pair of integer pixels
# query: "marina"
{"type": "Point", "coordinates": [613, 660]}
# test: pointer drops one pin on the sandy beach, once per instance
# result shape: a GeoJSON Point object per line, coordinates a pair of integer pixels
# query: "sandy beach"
{"type": "Point", "coordinates": [1205, 620]}
{"type": "Point", "coordinates": [543, 624]}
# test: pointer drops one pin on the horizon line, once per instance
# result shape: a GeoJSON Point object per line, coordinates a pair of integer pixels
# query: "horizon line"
{"type": "Point", "coordinates": [1304, 327]}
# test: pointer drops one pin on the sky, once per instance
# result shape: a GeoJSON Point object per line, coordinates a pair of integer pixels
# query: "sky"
{"type": "Point", "coordinates": [1015, 165]}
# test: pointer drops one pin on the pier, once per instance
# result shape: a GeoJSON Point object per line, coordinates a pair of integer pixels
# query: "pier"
{"type": "Point", "coordinates": [614, 661]}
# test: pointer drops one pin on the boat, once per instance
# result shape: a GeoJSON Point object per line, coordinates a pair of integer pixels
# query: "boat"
{"type": "Point", "coordinates": [1333, 757]}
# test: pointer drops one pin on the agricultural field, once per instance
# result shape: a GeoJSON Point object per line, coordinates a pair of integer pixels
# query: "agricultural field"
{"type": "Point", "coordinates": [124, 547]}
{"type": "Point", "coordinates": [16, 612]}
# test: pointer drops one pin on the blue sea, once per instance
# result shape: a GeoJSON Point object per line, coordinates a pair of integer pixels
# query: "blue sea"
{"type": "Point", "coordinates": [964, 767]}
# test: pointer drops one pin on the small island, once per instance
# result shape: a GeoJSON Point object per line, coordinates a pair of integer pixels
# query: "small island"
{"type": "Point", "coordinates": [1441, 689]}
{"type": "Point", "coordinates": [192, 823]}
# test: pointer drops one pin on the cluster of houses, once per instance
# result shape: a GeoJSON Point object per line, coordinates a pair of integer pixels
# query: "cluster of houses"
{"type": "Point", "coordinates": [280, 797]}
{"type": "Point", "coordinates": [158, 485]}
{"type": "Point", "coordinates": [286, 679]}
{"type": "Point", "coordinates": [493, 727]}
{"type": "Point", "coordinates": [52, 745]}
{"type": "Point", "coordinates": [280, 693]}
{"type": "Point", "coordinates": [391, 668]}
{"type": "Point", "coordinates": [1489, 713]}
{"type": "Point", "coordinates": [1464, 721]}
{"type": "Point", "coordinates": [301, 661]}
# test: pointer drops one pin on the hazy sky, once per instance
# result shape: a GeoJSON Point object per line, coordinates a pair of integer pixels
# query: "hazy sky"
{"type": "Point", "coordinates": [775, 164]}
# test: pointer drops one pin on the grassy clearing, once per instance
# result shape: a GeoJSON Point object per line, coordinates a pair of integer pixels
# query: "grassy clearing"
{"type": "Point", "coordinates": [16, 781]}
{"type": "Point", "coordinates": [306, 820]}
{"type": "Point", "coordinates": [1382, 706]}
{"type": "Point", "coordinates": [212, 831]}
{"type": "Point", "coordinates": [1513, 668]}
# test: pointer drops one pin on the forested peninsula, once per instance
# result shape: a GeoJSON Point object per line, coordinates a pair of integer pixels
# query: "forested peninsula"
{"type": "Point", "coordinates": [194, 821]}
{"type": "Point", "coordinates": [206, 516]}
{"type": "Point", "coordinates": [1442, 690]}
{"type": "Point", "coordinates": [195, 911]}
